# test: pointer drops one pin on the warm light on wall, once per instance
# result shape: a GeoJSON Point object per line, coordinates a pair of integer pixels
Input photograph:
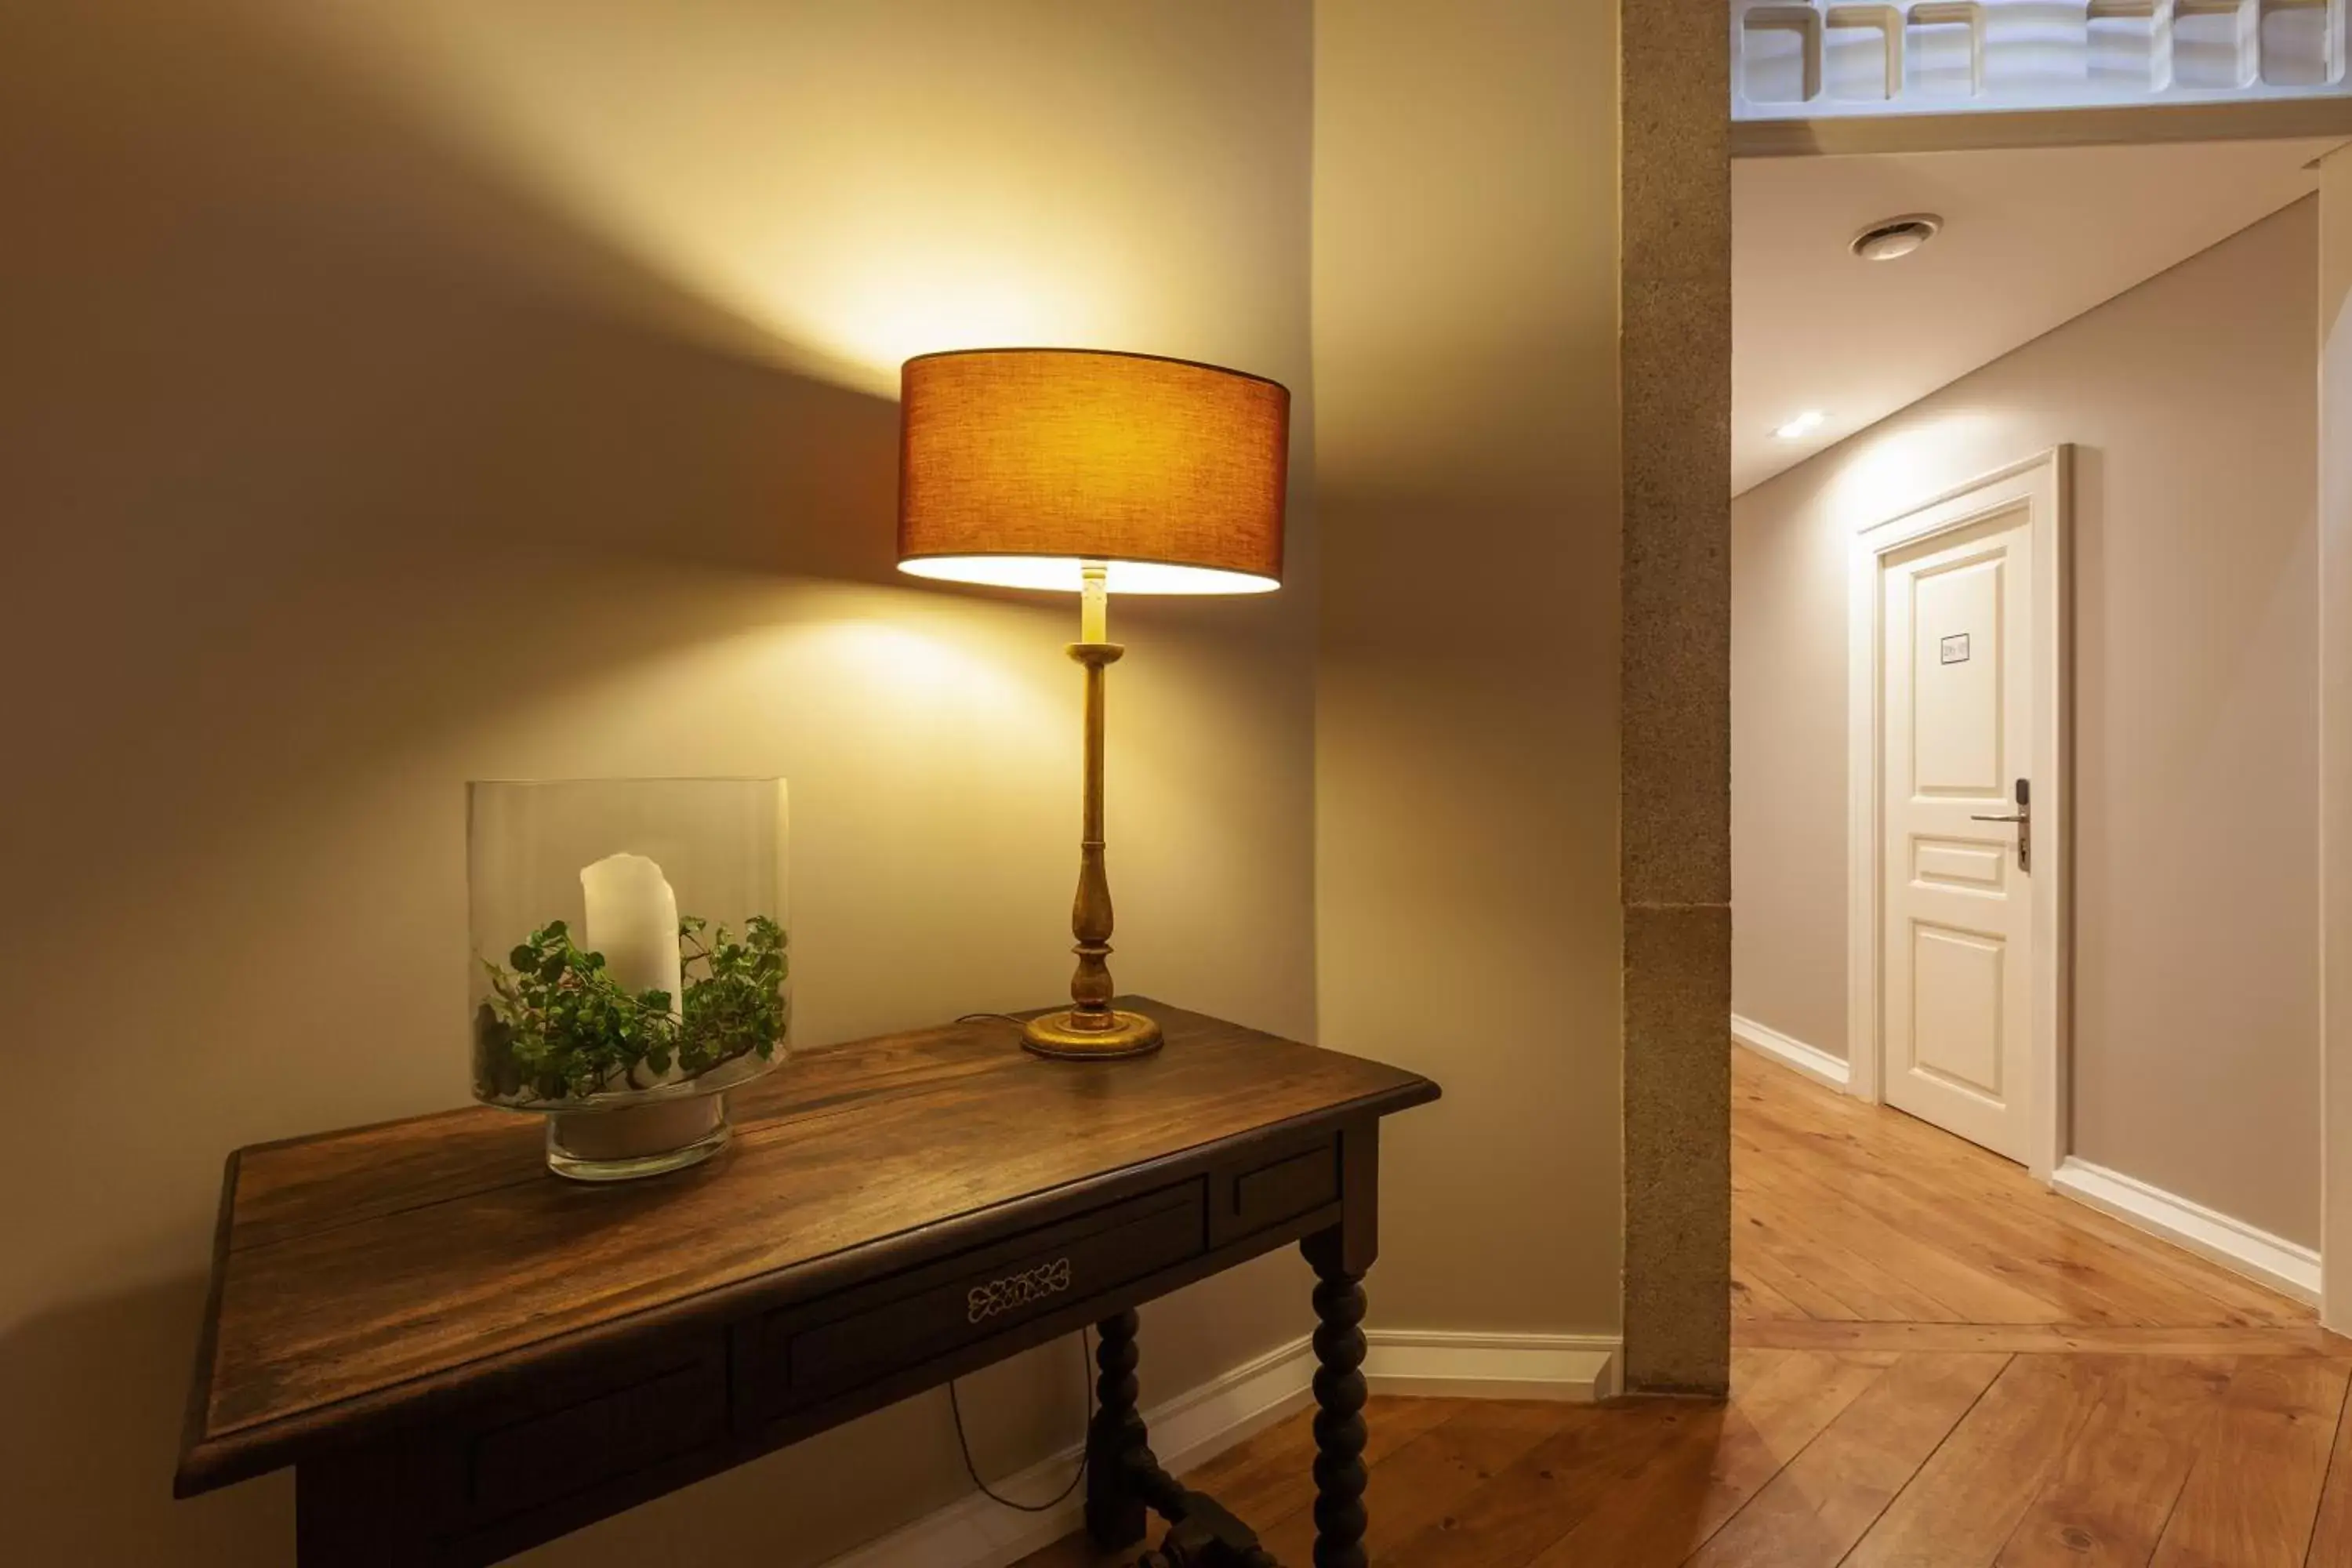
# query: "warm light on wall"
{"type": "Point", "coordinates": [1802, 426]}
{"type": "Point", "coordinates": [923, 674]}
{"type": "Point", "coordinates": [902, 298]}
{"type": "Point", "coordinates": [1901, 464]}
{"type": "Point", "coordinates": [833, 206]}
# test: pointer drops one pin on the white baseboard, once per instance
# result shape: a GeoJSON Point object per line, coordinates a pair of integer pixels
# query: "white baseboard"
{"type": "Point", "coordinates": [1789, 1051]}
{"type": "Point", "coordinates": [1194, 1427]}
{"type": "Point", "coordinates": [2284, 1265]}
{"type": "Point", "coordinates": [1577, 1368]}
{"type": "Point", "coordinates": [1186, 1431]}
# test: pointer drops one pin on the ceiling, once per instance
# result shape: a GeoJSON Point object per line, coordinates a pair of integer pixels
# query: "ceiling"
{"type": "Point", "coordinates": [2031, 239]}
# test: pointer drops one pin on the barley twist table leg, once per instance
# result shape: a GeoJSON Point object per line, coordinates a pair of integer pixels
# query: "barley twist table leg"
{"type": "Point", "coordinates": [1339, 1417]}
{"type": "Point", "coordinates": [1116, 1435]}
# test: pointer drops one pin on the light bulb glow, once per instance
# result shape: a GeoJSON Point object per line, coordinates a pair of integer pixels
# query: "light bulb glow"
{"type": "Point", "coordinates": [1060, 574]}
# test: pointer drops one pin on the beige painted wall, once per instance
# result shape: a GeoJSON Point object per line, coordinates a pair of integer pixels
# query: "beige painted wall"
{"type": "Point", "coordinates": [398, 394]}
{"type": "Point", "coordinates": [2335, 339]}
{"type": "Point", "coordinates": [1464, 307]}
{"type": "Point", "coordinates": [2196, 770]}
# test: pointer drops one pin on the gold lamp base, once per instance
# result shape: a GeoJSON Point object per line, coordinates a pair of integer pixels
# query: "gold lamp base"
{"type": "Point", "coordinates": [1072, 1036]}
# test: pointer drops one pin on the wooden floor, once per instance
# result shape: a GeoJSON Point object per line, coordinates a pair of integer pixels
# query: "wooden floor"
{"type": "Point", "coordinates": [1936, 1363]}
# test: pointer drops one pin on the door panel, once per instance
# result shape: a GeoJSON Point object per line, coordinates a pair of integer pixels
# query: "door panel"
{"type": "Point", "coordinates": [1955, 991]}
{"type": "Point", "coordinates": [1956, 678]}
{"type": "Point", "coordinates": [1956, 666]}
{"type": "Point", "coordinates": [1939, 862]}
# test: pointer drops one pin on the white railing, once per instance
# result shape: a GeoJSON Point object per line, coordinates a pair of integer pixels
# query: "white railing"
{"type": "Point", "coordinates": [1813, 58]}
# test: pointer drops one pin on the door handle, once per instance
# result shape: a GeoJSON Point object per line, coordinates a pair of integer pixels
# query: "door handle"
{"type": "Point", "coordinates": [2023, 818]}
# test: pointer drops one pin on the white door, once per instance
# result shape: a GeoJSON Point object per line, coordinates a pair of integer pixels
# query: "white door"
{"type": "Point", "coordinates": [1956, 933]}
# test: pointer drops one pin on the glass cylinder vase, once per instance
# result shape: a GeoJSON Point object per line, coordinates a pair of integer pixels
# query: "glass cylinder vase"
{"type": "Point", "coordinates": [630, 965]}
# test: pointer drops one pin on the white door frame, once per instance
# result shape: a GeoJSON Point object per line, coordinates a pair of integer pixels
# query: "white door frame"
{"type": "Point", "coordinates": [2043, 482]}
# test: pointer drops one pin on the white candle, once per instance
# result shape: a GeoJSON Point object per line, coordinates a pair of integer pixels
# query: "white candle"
{"type": "Point", "coordinates": [633, 922]}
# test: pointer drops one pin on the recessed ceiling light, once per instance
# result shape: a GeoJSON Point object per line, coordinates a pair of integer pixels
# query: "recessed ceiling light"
{"type": "Point", "coordinates": [1890, 239]}
{"type": "Point", "coordinates": [1802, 426]}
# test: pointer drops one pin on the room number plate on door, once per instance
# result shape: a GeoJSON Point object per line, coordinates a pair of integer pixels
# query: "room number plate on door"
{"type": "Point", "coordinates": [1955, 649]}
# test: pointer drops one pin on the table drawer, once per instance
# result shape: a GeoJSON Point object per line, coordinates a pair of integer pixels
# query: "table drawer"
{"type": "Point", "coordinates": [806, 1354]}
{"type": "Point", "coordinates": [550, 1456]}
{"type": "Point", "coordinates": [1273, 1189]}
{"type": "Point", "coordinates": [557, 1436]}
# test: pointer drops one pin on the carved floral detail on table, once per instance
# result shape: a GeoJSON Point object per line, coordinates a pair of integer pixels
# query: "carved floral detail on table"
{"type": "Point", "coordinates": [982, 1302]}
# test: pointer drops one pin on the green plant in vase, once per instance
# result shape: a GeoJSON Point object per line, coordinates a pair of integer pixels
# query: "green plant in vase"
{"type": "Point", "coordinates": [558, 1026]}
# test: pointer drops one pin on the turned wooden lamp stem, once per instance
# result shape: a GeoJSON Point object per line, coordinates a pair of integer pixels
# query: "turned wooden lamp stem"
{"type": "Point", "coordinates": [1090, 914]}
{"type": "Point", "coordinates": [1092, 1027]}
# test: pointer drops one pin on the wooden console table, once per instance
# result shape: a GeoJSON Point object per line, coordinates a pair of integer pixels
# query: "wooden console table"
{"type": "Point", "coordinates": [462, 1356]}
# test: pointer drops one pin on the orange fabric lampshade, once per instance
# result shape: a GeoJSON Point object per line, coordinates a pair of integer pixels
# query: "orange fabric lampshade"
{"type": "Point", "coordinates": [1015, 465]}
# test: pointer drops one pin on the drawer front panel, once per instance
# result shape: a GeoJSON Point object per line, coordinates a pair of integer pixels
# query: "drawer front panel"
{"type": "Point", "coordinates": [546, 1457]}
{"type": "Point", "coordinates": [835, 1347]}
{"type": "Point", "coordinates": [1262, 1196]}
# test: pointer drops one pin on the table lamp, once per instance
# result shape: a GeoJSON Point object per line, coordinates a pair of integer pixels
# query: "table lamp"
{"type": "Point", "coordinates": [1092, 473]}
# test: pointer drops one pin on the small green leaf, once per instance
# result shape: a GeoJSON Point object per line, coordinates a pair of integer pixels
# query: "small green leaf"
{"type": "Point", "coordinates": [558, 1025]}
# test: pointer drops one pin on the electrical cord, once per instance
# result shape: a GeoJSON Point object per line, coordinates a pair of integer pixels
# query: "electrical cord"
{"type": "Point", "coordinates": [1085, 1368]}
{"type": "Point", "coordinates": [955, 1404]}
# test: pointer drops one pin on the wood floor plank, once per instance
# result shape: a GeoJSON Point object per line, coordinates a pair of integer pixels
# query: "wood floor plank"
{"type": "Point", "coordinates": [2179, 1285]}
{"type": "Point", "coordinates": [1828, 1230]}
{"type": "Point", "coordinates": [2331, 1536]}
{"type": "Point", "coordinates": [1420, 1486]}
{"type": "Point", "coordinates": [1781, 1402]}
{"type": "Point", "coordinates": [1078, 1552]}
{"type": "Point", "coordinates": [2115, 1486]}
{"type": "Point", "coordinates": [1969, 1497]}
{"type": "Point", "coordinates": [2043, 1251]}
{"type": "Point", "coordinates": [1811, 1513]}
{"type": "Point", "coordinates": [1872, 1291]}
{"type": "Point", "coordinates": [2046, 1338]}
{"type": "Point", "coordinates": [2252, 1499]}
{"type": "Point", "coordinates": [1258, 1480]}
{"type": "Point", "coordinates": [1885, 1154]}
{"type": "Point", "coordinates": [1889, 1155]}
{"type": "Point", "coordinates": [2040, 1255]}
{"type": "Point", "coordinates": [1751, 1256]}
{"type": "Point", "coordinates": [1753, 1298]}
{"type": "Point", "coordinates": [1977, 1294]}
{"type": "Point", "coordinates": [1552, 1487]}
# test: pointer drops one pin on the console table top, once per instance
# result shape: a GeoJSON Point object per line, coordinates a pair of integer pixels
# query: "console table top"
{"type": "Point", "coordinates": [362, 1267]}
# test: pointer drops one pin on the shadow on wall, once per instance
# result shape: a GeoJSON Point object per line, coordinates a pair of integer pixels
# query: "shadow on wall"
{"type": "Point", "coordinates": [295, 395]}
{"type": "Point", "coordinates": [284, 298]}
{"type": "Point", "coordinates": [91, 1397]}
{"type": "Point", "coordinates": [340, 463]}
{"type": "Point", "coordinates": [276, 348]}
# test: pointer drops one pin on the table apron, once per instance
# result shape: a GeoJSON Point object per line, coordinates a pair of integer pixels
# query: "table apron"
{"type": "Point", "coordinates": [657, 1411]}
